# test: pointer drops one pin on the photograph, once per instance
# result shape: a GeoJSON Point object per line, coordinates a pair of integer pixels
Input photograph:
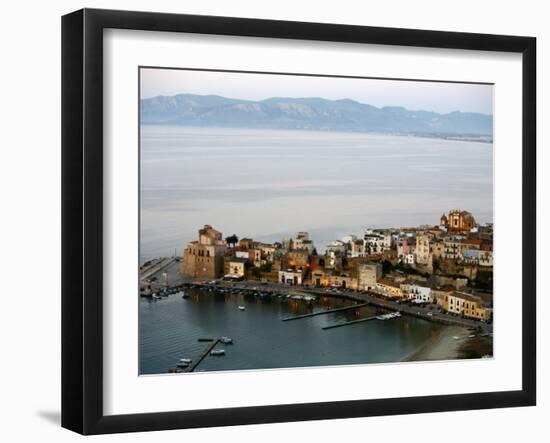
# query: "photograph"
{"type": "Point", "coordinates": [291, 220]}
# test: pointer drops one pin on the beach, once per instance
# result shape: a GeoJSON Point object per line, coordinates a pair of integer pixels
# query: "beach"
{"type": "Point", "coordinates": [442, 346]}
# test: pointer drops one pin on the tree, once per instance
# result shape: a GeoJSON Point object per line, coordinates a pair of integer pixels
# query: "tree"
{"type": "Point", "coordinates": [232, 241]}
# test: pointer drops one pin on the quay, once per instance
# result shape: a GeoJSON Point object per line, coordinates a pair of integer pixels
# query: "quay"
{"type": "Point", "coordinates": [204, 353]}
{"type": "Point", "coordinates": [156, 267]}
{"type": "Point", "coordinates": [257, 288]}
{"type": "Point", "coordinates": [328, 311]}
{"type": "Point", "coordinates": [361, 320]}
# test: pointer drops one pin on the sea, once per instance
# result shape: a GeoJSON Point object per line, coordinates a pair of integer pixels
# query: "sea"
{"type": "Point", "coordinates": [270, 184]}
{"type": "Point", "coordinates": [170, 328]}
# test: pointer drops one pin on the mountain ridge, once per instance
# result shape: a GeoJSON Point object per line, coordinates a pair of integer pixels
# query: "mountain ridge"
{"type": "Point", "coordinates": [308, 113]}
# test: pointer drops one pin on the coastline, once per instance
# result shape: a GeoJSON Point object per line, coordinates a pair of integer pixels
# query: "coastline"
{"type": "Point", "coordinates": [441, 347]}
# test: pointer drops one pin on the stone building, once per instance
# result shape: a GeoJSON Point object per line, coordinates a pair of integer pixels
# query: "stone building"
{"type": "Point", "coordinates": [422, 249]}
{"type": "Point", "coordinates": [369, 274]}
{"type": "Point", "coordinates": [204, 258]}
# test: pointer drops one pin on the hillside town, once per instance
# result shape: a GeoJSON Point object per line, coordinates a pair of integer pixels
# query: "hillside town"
{"type": "Point", "coordinates": [449, 264]}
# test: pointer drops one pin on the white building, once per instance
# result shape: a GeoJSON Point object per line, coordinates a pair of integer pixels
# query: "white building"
{"type": "Point", "coordinates": [408, 259]}
{"type": "Point", "coordinates": [485, 258]}
{"type": "Point", "coordinates": [417, 293]}
{"type": "Point", "coordinates": [290, 277]}
{"type": "Point", "coordinates": [336, 247]}
{"type": "Point", "coordinates": [302, 241]}
{"type": "Point", "coordinates": [374, 244]}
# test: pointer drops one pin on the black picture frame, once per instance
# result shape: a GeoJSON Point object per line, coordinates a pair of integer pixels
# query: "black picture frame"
{"type": "Point", "coordinates": [82, 218]}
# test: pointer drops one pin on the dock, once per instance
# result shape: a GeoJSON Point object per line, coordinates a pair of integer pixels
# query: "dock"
{"type": "Point", "coordinates": [156, 268]}
{"type": "Point", "coordinates": [338, 325]}
{"type": "Point", "coordinates": [204, 353]}
{"type": "Point", "coordinates": [328, 311]}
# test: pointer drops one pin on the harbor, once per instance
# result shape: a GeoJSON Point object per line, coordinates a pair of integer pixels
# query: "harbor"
{"type": "Point", "coordinates": [276, 325]}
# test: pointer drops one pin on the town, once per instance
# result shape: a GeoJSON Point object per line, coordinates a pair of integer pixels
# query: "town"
{"type": "Point", "coordinates": [449, 265]}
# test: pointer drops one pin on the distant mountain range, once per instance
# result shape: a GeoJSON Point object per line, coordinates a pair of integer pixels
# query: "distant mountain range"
{"type": "Point", "coordinates": [308, 114]}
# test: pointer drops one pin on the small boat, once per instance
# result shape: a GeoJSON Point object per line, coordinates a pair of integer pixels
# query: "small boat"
{"type": "Point", "coordinates": [471, 336]}
{"type": "Point", "coordinates": [217, 352]}
{"type": "Point", "coordinates": [388, 316]}
{"type": "Point", "coordinates": [182, 365]}
{"type": "Point", "coordinates": [456, 337]}
{"type": "Point", "coordinates": [205, 339]}
{"type": "Point", "coordinates": [185, 360]}
{"type": "Point", "coordinates": [242, 308]}
{"type": "Point", "coordinates": [226, 340]}
{"type": "Point", "coordinates": [184, 295]}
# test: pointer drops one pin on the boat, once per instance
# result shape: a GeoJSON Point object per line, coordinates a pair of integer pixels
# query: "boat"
{"type": "Point", "coordinates": [185, 295]}
{"type": "Point", "coordinates": [205, 339]}
{"type": "Point", "coordinates": [242, 308]}
{"type": "Point", "coordinates": [388, 316]}
{"type": "Point", "coordinates": [182, 365]}
{"type": "Point", "coordinates": [456, 337]}
{"type": "Point", "coordinates": [217, 352]}
{"type": "Point", "coordinates": [185, 360]}
{"type": "Point", "coordinates": [226, 340]}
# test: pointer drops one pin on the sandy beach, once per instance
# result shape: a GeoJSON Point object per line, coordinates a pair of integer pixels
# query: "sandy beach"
{"type": "Point", "coordinates": [441, 347]}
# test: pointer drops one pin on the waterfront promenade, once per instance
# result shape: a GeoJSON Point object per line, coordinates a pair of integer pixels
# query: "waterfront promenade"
{"type": "Point", "coordinates": [427, 312]}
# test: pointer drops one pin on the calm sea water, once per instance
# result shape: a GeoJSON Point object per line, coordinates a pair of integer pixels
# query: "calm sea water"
{"type": "Point", "coordinates": [169, 329]}
{"type": "Point", "coordinates": [270, 184]}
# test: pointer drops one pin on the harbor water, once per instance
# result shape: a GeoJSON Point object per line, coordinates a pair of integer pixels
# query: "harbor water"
{"type": "Point", "coordinates": [171, 326]}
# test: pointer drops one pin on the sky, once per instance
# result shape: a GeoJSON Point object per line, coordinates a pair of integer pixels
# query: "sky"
{"type": "Point", "coordinates": [438, 97]}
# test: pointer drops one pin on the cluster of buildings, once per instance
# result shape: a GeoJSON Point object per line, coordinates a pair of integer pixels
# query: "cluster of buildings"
{"type": "Point", "coordinates": [446, 264]}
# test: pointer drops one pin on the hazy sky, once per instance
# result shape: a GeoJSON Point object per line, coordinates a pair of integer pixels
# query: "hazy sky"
{"type": "Point", "coordinates": [428, 96]}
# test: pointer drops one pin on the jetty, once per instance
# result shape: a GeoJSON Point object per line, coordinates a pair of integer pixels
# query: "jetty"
{"type": "Point", "coordinates": [204, 353]}
{"type": "Point", "coordinates": [361, 320]}
{"type": "Point", "coordinates": [328, 311]}
{"type": "Point", "coordinates": [155, 267]}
